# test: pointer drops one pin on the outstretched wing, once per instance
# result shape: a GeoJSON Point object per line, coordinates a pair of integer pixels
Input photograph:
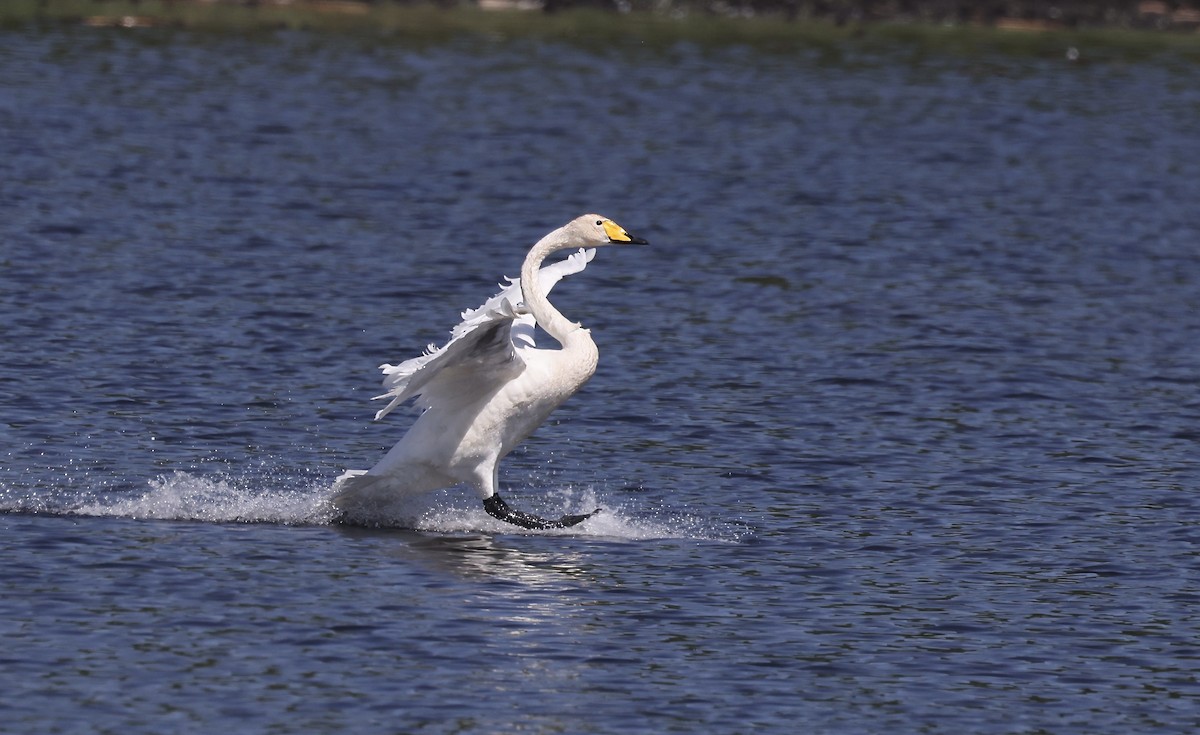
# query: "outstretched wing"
{"type": "Point", "coordinates": [483, 349]}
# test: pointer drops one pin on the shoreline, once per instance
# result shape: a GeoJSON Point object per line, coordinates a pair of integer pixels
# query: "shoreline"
{"type": "Point", "coordinates": [509, 19]}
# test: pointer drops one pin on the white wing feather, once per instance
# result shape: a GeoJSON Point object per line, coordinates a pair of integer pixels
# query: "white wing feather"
{"type": "Point", "coordinates": [483, 347]}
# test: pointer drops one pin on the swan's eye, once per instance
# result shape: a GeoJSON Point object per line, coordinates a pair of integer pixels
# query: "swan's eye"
{"type": "Point", "coordinates": [599, 222]}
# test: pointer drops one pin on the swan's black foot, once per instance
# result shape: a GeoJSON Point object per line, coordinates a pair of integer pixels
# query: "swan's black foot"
{"type": "Point", "coordinates": [497, 508]}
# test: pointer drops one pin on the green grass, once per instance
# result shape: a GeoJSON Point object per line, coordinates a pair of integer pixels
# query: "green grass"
{"type": "Point", "coordinates": [427, 23]}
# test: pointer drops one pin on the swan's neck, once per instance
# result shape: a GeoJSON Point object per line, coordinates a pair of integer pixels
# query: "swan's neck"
{"type": "Point", "coordinates": [548, 318]}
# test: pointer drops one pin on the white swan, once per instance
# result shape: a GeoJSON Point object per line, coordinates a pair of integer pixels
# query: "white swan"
{"type": "Point", "coordinates": [488, 388]}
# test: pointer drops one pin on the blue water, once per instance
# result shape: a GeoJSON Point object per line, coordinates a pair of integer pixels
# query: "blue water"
{"type": "Point", "coordinates": [895, 424]}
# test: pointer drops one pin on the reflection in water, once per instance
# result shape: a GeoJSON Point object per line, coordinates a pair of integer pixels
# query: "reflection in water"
{"type": "Point", "coordinates": [483, 557]}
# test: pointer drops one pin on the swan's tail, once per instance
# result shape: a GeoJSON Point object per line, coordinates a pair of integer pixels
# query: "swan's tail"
{"type": "Point", "coordinates": [359, 496]}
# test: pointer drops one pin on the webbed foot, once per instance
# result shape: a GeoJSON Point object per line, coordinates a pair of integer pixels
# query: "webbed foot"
{"type": "Point", "coordinates": [497, 508]}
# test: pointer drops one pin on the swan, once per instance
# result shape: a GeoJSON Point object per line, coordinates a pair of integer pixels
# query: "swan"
{"type": "Point", "coordinates": [488, 388]}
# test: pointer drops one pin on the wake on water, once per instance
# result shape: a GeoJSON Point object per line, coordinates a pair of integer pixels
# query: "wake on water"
{"type": "Point", "coordinates": [182, 496]}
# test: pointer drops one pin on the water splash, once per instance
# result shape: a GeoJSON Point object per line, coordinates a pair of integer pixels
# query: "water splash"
{"type": "Point", "coordinates": [632, 518]}
{"type": "Point", "coordinates": [228, 498]}
{"type": "Point", "coordinates": [451, 511]}
{"type": "Point", "coordinates": [181, 496]}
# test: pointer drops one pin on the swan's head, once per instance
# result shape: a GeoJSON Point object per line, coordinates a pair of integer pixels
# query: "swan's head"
{"type": "Point", "coordinates": [594, 230]}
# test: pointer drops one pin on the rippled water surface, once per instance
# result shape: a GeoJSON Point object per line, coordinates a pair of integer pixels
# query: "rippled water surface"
{"type": "Point", "coordinates": [895, 425]}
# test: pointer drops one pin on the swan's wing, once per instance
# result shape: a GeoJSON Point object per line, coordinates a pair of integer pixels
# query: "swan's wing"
{"type": "Point", "coordinates": [480, 353]}
{"type": "Point", "coordinates": [482, 350]}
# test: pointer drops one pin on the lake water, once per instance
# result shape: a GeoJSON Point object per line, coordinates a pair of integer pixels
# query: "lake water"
{"type": "Point", "coordinates": [895, 424]}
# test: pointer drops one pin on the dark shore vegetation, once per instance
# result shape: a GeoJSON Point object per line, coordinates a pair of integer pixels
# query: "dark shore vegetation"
{"type": "Point", "coordinates": [1116, 29]}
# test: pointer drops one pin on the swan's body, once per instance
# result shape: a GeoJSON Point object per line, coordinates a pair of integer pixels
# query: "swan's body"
{"type": "Point", "coordinates": [488, 388]}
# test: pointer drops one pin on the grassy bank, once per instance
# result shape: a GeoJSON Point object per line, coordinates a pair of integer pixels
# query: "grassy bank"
{"type": "Point", "coordinates": [429, 23]}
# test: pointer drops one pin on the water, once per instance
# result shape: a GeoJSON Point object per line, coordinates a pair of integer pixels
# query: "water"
{"type": "Point", "coordinates": [895, 424]}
